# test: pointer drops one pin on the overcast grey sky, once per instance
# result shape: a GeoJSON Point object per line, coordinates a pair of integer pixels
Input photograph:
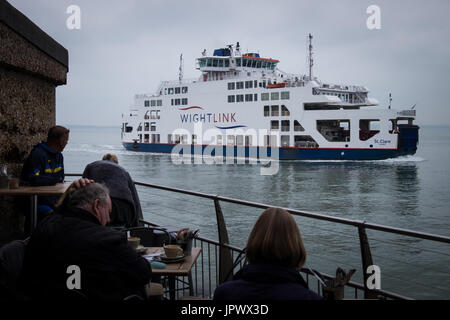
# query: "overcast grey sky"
{"type": "Point", "coordinates": [128, 47]}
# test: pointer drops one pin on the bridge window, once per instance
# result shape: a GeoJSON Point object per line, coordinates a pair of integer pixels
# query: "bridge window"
{"type": "Point", "coordinates": [238, 62]}
{"type": "Point", "coordinates": [215, 62]}
{"type": "Point", "coordinates": [209, 62]}
{"type": "Point", "coordinates": [220, 63]}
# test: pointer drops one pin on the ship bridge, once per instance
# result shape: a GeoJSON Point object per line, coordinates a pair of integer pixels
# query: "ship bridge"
{"type": "Point", "coordinates": [227, 59]}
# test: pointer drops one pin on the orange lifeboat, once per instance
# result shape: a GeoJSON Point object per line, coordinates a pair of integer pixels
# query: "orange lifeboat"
{"type": "Point", "coordinates": [276, 85]}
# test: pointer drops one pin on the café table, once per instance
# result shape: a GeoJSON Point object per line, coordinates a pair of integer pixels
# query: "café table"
{"type": "Point", "coordinates": [172, 270]}
{"type": "Point", "coordinates": [55, 190]}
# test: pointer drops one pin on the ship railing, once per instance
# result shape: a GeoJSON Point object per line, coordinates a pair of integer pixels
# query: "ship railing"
{"type": "Point", "coordinates": [217, 262]}
{"type": "Point", "coordinates": [407, 113]}
{"type": "Point", "coordinates": [178, 82]}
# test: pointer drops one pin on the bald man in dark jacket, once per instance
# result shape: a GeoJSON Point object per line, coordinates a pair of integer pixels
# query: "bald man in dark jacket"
{"type": "Point", "coordinates": [75, 235]}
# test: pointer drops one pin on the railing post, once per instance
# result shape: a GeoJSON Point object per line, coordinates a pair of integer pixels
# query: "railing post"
{"type": "Point", "coordinates": [225, 260]}
{"type": "Point", "coordinates": [366, 257]}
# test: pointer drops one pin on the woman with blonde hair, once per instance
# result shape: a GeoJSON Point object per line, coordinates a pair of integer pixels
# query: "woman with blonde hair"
{"type": "Point", "coordinates": [275, 253]}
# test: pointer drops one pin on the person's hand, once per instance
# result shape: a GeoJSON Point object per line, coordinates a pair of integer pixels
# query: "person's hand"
{"type": "Point", "coordinates": [77, 184]}
{"type": "Point", "coordinates": [80, 183]}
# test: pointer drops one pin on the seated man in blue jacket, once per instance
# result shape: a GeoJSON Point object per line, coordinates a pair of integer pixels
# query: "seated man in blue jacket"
{"type": "Point", "coordinates": [45, 166]}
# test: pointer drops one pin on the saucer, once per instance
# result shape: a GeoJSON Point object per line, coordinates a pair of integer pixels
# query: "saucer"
{"type": "Point", "coordinates": [141, 249]}
{"type": "Point", "coordinates": [165, 259]}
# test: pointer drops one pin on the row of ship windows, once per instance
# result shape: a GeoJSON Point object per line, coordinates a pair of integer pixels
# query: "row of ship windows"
{"type": "Point", "coordinates": [176, 90]}
{"type": "Point", "coordinates": [241, 140]}
{"type": "Point", "coordinates": [148, 126]}
{"type": "Point", "coordinates": [178, 102]}
{"type": "Point", "coordinates": [285, 125]}
{"type": "Point", "coordinates": [153, 103]}
{"type": "Point", "coordinates": [240, 62]}
{"type": "Point", "coordinates": [155, 138]}
{"type": "Point", "coordinates": [254, 97]}
{"type": "Point", "coordinates": [240, 98]}
{"type": "Point", "coordinates": [273, 111]}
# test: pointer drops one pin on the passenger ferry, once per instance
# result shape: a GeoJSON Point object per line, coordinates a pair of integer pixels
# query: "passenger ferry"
{"type": "Point", "coordinates": [242, 105]}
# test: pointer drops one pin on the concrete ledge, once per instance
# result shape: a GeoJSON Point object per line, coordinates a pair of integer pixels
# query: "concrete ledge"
{"type": "Point", "coordinates": [23, 26]}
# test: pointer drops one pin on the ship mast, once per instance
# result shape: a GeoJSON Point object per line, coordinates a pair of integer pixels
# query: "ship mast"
{"type": "Point", "coordinates": [180, 71]}
{"type": "Point", "coordinates": [310, 57]}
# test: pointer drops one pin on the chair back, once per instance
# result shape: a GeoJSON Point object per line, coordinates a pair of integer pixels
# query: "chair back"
{"type": "Point", "coordinates": [11, 262]}
{"type": "Point", "coordinates": [150, 236]}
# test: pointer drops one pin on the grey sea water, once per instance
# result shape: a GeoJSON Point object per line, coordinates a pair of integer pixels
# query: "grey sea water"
{"type": "Point", "coordinates": [409, 192]}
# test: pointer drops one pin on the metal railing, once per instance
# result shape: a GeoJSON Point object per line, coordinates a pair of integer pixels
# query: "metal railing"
{"type": "Point", "coordinates": [215, 264]}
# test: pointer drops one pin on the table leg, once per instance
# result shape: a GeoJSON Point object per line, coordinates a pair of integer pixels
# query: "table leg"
{"type": "Point", "coordinates": [171, 287]}
{"type": "Point", "coordinates": [33, 213]}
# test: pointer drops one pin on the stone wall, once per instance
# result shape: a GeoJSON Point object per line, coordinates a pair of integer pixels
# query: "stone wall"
{"type": "Point", "coordinates": [31, 66]}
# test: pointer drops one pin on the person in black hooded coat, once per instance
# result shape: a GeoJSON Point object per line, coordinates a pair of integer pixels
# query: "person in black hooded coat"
{"type": "Point", "coordinates": [275, 253]}
{"type": "Point", "coordinates": [126, 207]}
